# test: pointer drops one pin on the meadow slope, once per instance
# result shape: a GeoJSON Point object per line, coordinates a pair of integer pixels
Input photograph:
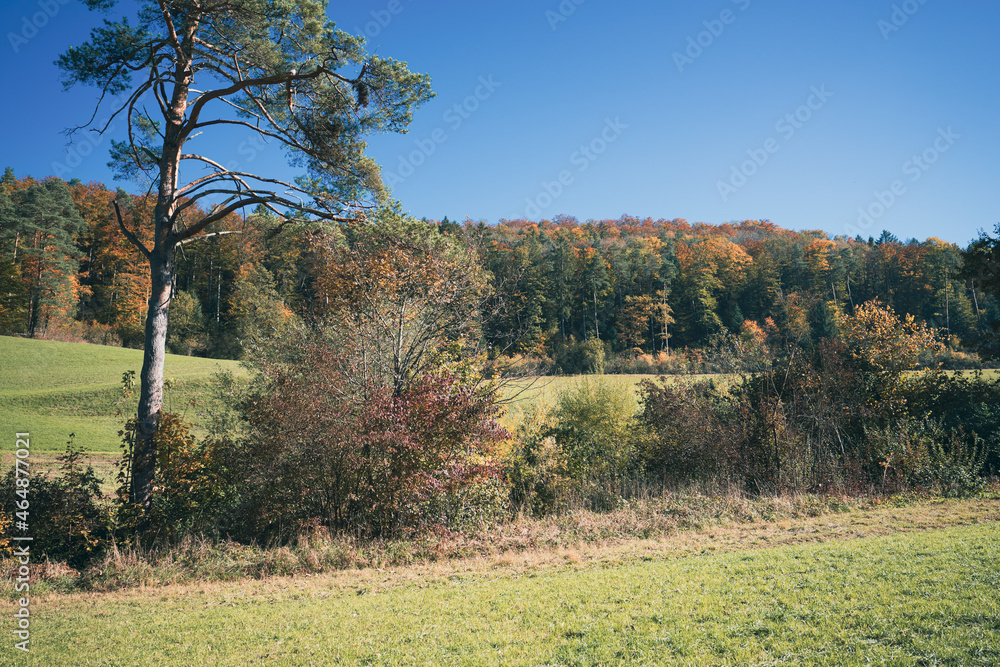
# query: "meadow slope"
{"type": "Point", "coordinates": [52, 389]}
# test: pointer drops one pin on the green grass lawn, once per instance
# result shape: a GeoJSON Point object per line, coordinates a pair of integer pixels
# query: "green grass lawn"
{"type": "Point", "coordinates": [52, 389]}
{"type": "Point", "coordinates": [922, 598]}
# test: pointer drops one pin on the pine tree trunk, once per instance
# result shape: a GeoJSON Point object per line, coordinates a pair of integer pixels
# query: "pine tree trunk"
{"type": "Point", "coordinates": [160, 291]}
{"type": "Point", "coordinates": [151, 380]}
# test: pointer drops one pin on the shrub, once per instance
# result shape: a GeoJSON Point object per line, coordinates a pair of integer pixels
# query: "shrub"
{"type": "Point", "coordinates": [581, 450]}
{"type": "Point", "coordinates": [772, 451]}
{"type": "Point", "coordinates": [68, 518]}
{"type": "Point", "coordinates": [193, 482]}
{"type": "Point", "coordinates": [579, 357]}
{"type": "Point", "coordinates": [371, 413]}
{"type": "Point", "coordinates": [955, 466]}
{"type": "Point", "coordinates": [965, 404]}
{"type": "Point", "coordinates": [361, 458]}
{"type": "Point", "coordinates": [684, 437]}
{"type": "Point", "coordinates": [468, 508]}
{"type": "Point", "coordinates": [879, 346]}
{"type": "Point", "coordinates": [534, 467]}
{"type": "Point", "coordinates": [592, 425]}
{"type": "Point", "coordinates": [190, 483]}
{"type": "Point", "coordinates": [924, 454]}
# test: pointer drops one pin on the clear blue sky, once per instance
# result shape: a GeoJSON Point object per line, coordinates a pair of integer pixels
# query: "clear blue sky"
{"type": "Point", "coordinates": [800, 112]}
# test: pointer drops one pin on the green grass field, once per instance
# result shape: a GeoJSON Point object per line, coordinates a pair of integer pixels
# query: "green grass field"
{"type": "Point", "coordinates": [543, 392]}
{"type": "Point", "coordinates": [52, 389]}
{"type": "Point", "coordinates": [922, 598]}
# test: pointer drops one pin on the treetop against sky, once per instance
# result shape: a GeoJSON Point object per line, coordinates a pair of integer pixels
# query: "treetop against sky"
{"type": "Point", "coordinates": [850, 117]}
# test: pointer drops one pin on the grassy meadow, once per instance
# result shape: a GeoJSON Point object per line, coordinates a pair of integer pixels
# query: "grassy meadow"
{"type": "Point", "coordinates": [904, 598]}
{"type": "Point", "coordinates": [53, 389]}
{"type": "Point", "coordinates": [543, 392]}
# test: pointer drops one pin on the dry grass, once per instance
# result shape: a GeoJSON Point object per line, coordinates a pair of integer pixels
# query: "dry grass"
{"type": "Point", "coordinates": [673, 526]}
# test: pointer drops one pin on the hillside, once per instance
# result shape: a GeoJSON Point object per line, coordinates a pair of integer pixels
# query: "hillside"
{"type": "Point", "coordinates": [53, 389]}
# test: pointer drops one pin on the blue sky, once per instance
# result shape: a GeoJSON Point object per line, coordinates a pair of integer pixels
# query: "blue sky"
{"type": "Point", "coordinates": [851, 116]}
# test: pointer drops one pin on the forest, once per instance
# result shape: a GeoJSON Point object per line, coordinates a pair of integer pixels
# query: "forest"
{"type": "Point", "coordinates": [566, 297]}
{"type": "Point", "coordinates": [383, 353]}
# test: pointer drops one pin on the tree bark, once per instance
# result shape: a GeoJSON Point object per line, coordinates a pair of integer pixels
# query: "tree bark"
{"type": "Point", "coordinates": [161, 287]}
{"type": "Point", "coordinates": [151, 379]}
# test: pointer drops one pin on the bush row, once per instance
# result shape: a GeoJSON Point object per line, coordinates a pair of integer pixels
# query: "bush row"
{"type": "Point", "coordinates": [785, 431]}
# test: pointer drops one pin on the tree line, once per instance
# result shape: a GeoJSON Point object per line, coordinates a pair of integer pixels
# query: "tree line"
{"type": "Point", "coordinates": [569, 296]}
{"type": "Point", "coordinates": [656, 286]}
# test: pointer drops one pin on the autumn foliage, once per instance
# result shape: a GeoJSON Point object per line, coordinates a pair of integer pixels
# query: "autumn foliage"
{"type": "Point", "coordinates": [549, 293]}
{"type": "Point", "coordinates": [373, 461]}
{"type": "Point", "coordinates": [373, 416]}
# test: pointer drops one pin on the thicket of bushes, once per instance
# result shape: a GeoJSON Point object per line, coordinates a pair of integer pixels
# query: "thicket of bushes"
{"type": "Point", "coordinates": [69, 518]}
{"type": "Point", "coordinates": [434, 459]}
{"type": "Point", "coordinates": [377, 416]}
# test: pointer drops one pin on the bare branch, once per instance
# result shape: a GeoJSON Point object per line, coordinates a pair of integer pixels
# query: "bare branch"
{"type": "Point", "coordinates": [208, 236]}
{"type": "Point", "coordinates": [133, 239]}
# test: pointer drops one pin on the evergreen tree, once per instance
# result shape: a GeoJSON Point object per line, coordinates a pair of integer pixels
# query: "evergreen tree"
{"type": "Point", "coordinates": [44, 225]}
{"type": "Point", "coordinates": [13, 293]}
{"type": "Point", "coordinates": [273, 67]}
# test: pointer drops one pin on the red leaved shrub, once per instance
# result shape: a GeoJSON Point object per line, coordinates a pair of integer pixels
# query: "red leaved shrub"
{"type": "Point", "coordinates": [364, 458]}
